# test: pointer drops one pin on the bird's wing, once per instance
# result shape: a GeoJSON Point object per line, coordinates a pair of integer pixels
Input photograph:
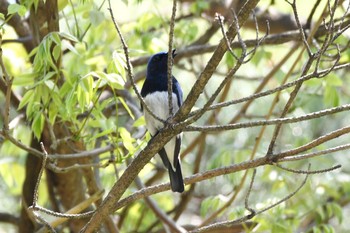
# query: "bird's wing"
{"type": "Point", "coordinates": [178, 92]}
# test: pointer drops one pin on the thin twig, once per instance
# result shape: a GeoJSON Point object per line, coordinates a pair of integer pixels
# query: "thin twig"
{"type": "Point", "coordinates": [33, 208]}
{"type": "Point", "coordinates": [308, 171]}
{"type": "Point", "coordinates": [246, 199]}
{"type": "Point", "coordinates": [84, 154]}
{"type": "Point", "coordinates": [317, 153]}
{"type": "Point", "coordinates": [301, 30]}
{"type": "Point", "coordinates": [287, 197]}
{"type": "Point", "coordinates": [314, 143]}
{"type": "Point", "coordinates": [171, 59]}
{"type": "Point", "coordinates": [258, 41]}
{"type": "Point", "coordinates": [220, 19]}
{"type": "Point", "coordinates": [35, 196]}
{"type": "Point", "coordinates": [318, 114]}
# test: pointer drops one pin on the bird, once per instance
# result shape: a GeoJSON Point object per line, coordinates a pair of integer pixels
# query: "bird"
{"type": "Point", "coordinates": [155, 94]}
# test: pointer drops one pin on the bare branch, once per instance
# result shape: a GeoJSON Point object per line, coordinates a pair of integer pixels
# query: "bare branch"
{"type": "Point", "coordinates": [83, 154]}
{"type": "Point", "coordinates": [317, 153]}
{"type": "Point", "coordinates": [318, 141]}
{"type": "Point", "coordinates": [9, 218]}
{"type": "Point", "coordinates": [322, 113]}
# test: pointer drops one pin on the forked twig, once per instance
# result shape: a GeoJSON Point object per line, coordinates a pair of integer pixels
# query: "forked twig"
{"type": "Point", "coordinates": [246, 199]}
{"type": "Point", "coordinates": [34, 208]}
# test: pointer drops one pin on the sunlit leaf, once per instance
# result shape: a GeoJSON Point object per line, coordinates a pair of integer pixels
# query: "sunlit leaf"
{"type": "Point", "coordinates": [139, 122]}
{"type": "Point", "coordinates": [127, 139]}
{"type": "Point", "coordinates": [126, 107]}
{"type": "Point", "coordinates": [16, 8]}
{"type": "Point", "coordinates": [69, 37]}
{"type": "Point", "coordinates": [38, 124]}
{"type": "Point", "coordinates": [26, 98]}
{"type": "Point", "coordinates": [56, 52]}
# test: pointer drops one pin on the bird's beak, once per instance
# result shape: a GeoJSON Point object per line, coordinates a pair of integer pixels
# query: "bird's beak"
{"type": "Point", "coordinates": [174, 53]}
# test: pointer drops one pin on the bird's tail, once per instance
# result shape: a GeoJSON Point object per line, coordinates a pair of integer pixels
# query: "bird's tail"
{"type": "Point", "coordinates": [176, 180]}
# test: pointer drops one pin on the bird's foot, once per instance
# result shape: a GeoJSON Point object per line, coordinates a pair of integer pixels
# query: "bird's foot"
{"type": "Point", "coordinates": [170, 122]}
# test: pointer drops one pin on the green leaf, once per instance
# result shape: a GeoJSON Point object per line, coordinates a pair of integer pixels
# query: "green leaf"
{"type": "Point", "coordinates": [101, 134]}
{"type": "Point", "coordinates": [119, 63]}
{"type": "Point", "coordinates": [46, 77]}
{"type": "Point", "coordinates": [316, 230]}
{"type": "Point", "coordinates": [338, 212]}
{"type": "Point", "coordinates": [55, 37]}
{"type": "Point", "coordinates": [320, 217]}
{"type": "Point", "coordinates": [210, 204]}
{"type": "Point", "coordinates": [25, 79]}
{"type": "Point", "coordinates": [38, 125]}
{"type": "Point", "coordinates": [53, 111]}
{"type": "Point", "coordinates": [56, 52]}
{"type": "Point", "coordinates": [333, 80]}
{"type": "Point", "coordinates": [139, 122]}
{"type": "Point", "coordinates": [26, 98]}
{"type": "Point", "coordinates": [69, 37]}
{"type": "Point", "coordinates": [2, 16]}
{"type": "Point", "coordinates": [126, 107]}
{"type": "Point", "coordinates": [331, 96]}
{"type": "Point", "coordinates": [229, 59]}
{"type": "Point", "coordinates": [70, 47]}
{"type": "Point", "coordinates": [96, 17]}
{"type": "Point", "coordinates": [115, 80]}
{"type": "Point", "coordinates": [127, 139]}
{"type": "Point", "coordinates": [16, 8]}
{"type": "Point", "coordinates": [329, 210]}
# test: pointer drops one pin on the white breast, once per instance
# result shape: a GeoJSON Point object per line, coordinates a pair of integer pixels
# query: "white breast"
{"type": "Point", "coordinates": [157, 102]}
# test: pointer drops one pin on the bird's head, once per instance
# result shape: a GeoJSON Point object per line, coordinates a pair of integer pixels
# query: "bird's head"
{"type": "Point", "coordinates": [158, 63]}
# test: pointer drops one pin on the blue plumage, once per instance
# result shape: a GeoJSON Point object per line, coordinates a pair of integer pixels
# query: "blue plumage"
{"type": "Point", "coordinates": [155, 94]}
